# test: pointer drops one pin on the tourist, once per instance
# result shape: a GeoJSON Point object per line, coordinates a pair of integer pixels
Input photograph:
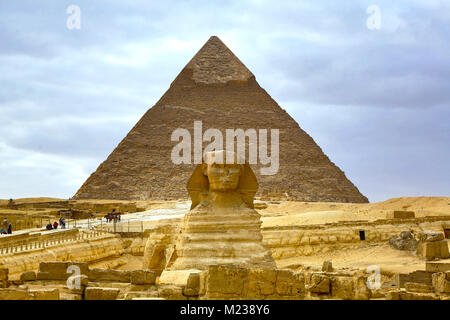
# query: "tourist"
{"type": "Point", "coordinates": [55, 225]}
{"type": "Point", "coordinates": [49, 226]}
{"type": "Point", "coordinates": [5, 225]}
{"type": "Point", "coordinates": [10, 228]}
{"type": "Point", "coordinates": [62, 223]}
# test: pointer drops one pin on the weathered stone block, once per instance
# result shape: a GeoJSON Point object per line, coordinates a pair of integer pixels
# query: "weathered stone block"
{"type": "Point", "coordinates": [433, 250]}
{"type": "Point", "coordinates": [44, 294]}
{"type": "Point", "coordinates": [290, 283]}
{"type": "Point", "coordinates": [397, 214]}
{"type": "Point", "coordinates": [393, 294]}
{"type": "Point", "coordinates": [342, 287]}
{"type": "Point", "coordinates": [361, 291]}
{"type": "Point", "coordinates": [4, 273]}
{"type": "Point", "coordinates": [437, 266]}
{"type": "Point", "coordinates": [441, 282]}
{"type": "Point", "coordinates": [60, 270]}
{"type": "Point", "coordinates": [418, 287]}
{"type": "Point", "coordinates": [419, 276]}
{"type": "Point", "coordinates": [226, 279]}
{"type": "Point", "coordinates": [430, 236]}
{"type": "Point", "coordinates": [404, 295]}
{"type": "Point", "coordinates": [417, 296]}
{"type": "Point", "coordinates": [14, 294]}
{"type": "Point", "coordinates": [327, 266]}
{"type": "Point", "coordinates": [78, 283]}
{"type": "Point", "coordinates": [109, 275]}
{"type": "Point", "coordinates": [98, 293]}
{"type": "Point", "coordinates": [320, 283]}
{"type": "Point", "coordinates": [143, 277]}
{"type": "Point", "coordinates": [28, 276]}
{"type": "Point", "coordinates": [171, 292]}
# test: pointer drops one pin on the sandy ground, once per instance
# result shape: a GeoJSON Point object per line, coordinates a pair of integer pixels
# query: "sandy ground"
{"type": "Point", "coordinates": [304, 213]}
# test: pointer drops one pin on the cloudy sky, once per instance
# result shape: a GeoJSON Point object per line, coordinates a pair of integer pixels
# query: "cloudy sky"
{"type": "Point", "coordinates": [377, 101]}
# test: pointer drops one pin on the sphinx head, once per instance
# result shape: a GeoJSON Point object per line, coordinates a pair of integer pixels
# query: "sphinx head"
{"type": "Point", "coordinates": [218, 176]}
{"type": "Point", "coordinates": [222, 176]}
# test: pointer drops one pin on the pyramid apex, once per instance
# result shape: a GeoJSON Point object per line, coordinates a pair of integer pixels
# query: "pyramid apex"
{"type": "Point", "coordinates": [216, 63]}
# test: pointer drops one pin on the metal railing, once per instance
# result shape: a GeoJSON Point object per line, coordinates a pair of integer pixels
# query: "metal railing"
{"type": "Point", "coordinates": [56, 239]}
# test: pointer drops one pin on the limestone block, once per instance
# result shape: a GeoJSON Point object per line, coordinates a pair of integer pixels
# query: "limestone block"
{"type": "Point", "coordinates": [59, 270]}
{"type": "Point", "coordinates": [4, 273]}
{"type": "Point", "coordinates": [45, 294]}
{"type": "Point", "coordinates": [14, 294]}
{"type": "Point", "coordinates": [332, 239]}
{"type": "Point", "coordinates": [135, 295]}
{"type": "Point", "coordinates": [361, 291]}
{"type": "Point", "coordinates": [177, 277]}
{"type": "Point", "coordinates": [98, 293]}
{"type": "Point", "coordinates": [419, 276]}
{"type": "Point", "coordinates": [78, 283]}
{"type": "Point", "coordinates": [304, 240]}
{"type": "Point", "coordinates": [315, 240]}
{"type": "Point", "coordinates": [193, 285]}
{"type": "Point", "coordinates": [109, 275]}
{"type": "Point", "coordinates": [327, 266]}
{"type": "Point", "coordinates": [143, 277]}
{"type": "Point", "coordinates": [418, 287]}
{"type": "Point", "coordinates": [226, 279]}
{"type": "Point", "coordinates": [290, 283]}
{"type": "Point", "coordinates": [320, 283]}
{"type": "Point", "coordinates": [28, 276]}
{"type": "Point", "coordinates": [171, 292]}
{"type": "Point", "coordinates": [261, 282]}
{"type": "Point", "coordinates": [433, 250]}
{"type": "Point", "coordinates": [430, 236]}
{"type": "Point", "coordinates": [393, 294]}
{"type": "Point", "coordinates": [441, 282]}
{"type": "Point", "coordinates": [342, 287]}
{"type": "Point", "coordinates": [437, 266]}
{"type": "Point", "coordinates": [405, 295]}
{"type": "Point", "coordinates": [396, 214]}
{"type": "Point", "coordinates": [396, 294]}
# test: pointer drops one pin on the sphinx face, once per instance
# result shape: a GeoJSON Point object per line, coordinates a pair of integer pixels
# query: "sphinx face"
{"type": "Point", "coordinates": [223, 177]}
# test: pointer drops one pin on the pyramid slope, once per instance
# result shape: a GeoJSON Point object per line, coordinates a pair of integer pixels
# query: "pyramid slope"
{"type": "Point", "coordinates": [216, 88]}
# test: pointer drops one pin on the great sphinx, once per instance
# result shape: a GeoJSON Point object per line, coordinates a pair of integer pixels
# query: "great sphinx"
{"type": "Point", "coordinates": [222, 226]}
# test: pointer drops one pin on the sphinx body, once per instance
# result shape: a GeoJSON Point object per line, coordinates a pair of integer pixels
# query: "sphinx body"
{"type": "Point", "coordinates": [222, 227]}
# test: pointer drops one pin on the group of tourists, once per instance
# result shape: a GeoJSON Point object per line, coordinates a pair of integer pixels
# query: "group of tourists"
{"type": "Point", "coordinates": [62, 223]}
{"type": "Point", "coordinates": [112, 216]}
{"type": "Point", "coordinates": [6, 227]}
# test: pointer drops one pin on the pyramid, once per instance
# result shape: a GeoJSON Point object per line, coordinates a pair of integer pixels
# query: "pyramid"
{"type": "Point", "coordinates": [215, 87]}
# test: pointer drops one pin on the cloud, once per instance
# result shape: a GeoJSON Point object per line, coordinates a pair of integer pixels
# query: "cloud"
{"type": "Point", "coordinates": [376, 101]}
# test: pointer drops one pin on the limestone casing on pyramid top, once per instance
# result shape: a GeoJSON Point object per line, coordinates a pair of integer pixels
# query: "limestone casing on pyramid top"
{"type": "Point", "coordinates": [215, 63]}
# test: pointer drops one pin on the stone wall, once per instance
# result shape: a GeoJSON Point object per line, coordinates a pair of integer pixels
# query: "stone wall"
{"type": "Point", "coordinates": [231, 282]}
{"type": "Point", "coordinates": [65, 246]}
{"type": "Point", "coordinates": [287, 242]}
